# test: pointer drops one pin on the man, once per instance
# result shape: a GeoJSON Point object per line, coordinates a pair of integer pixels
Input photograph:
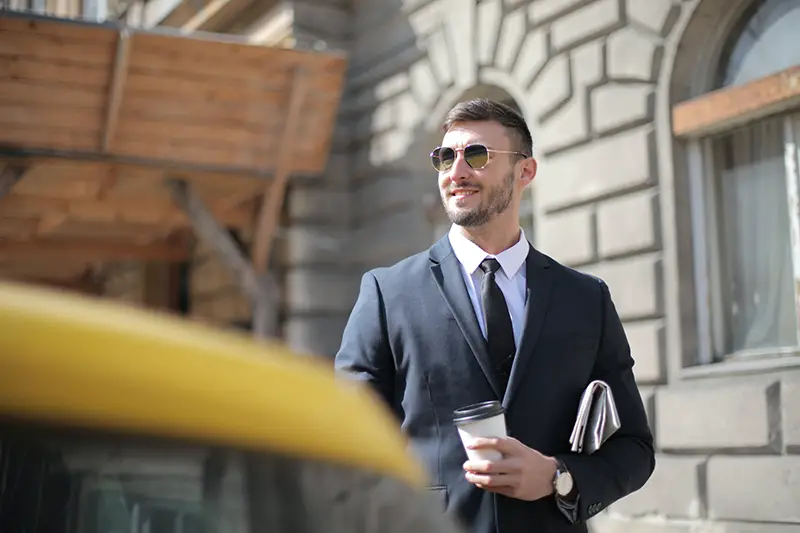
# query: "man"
{"type": "Point", "coordinates": [482, 315]}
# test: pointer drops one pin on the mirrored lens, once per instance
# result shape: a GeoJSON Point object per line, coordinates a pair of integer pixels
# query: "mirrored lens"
{"type": "Point", "coordinates": [476, 155]}
{"type": "Point", "coordinates": [442, 158]}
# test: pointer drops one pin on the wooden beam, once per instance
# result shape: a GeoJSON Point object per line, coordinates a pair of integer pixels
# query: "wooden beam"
{"type": "Point", "coordinates": [116, 88]}
{"type": "Point", "coordinates": [209, 10]}
{"type": "Point", "coordinates": [276, 27]}
{"type": "Point", "coordinates": [726, 108]}
{"type": "Point", "coordinates": [155, 11]}
{"type": "Point", "coordinates": [272, 202]}
{"type": "Point", "coordinates": [90, 250]}
{"type": "Point", "coordinates": [50, 223]}
{"type": "Point", "coordinates": [10, 174]}
{"type": "Point", "coordinates": [208, 229]}
{"type": "Point", "coordinates": [260, 289]}
{"type": "Point", "coordinates": [158, 213]}
{"type": "Point", "coordinates": [37, 155]}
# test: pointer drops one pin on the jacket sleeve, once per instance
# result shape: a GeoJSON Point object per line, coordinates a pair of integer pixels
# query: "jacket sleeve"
{"type": "Point", "coordinates": [364, 354]}
{"type": "Point", "coordinates": [627, 459]}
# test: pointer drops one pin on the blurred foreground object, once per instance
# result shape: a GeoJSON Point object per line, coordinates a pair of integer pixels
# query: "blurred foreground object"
{"type": "Point", "coordinates": [116, 419]}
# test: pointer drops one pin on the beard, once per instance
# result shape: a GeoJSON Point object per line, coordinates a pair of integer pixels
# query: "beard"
{"type": "Point", "coordinates": [498, 200]}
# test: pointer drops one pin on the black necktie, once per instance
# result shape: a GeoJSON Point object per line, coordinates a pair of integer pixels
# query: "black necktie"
{"type": "Point", "coordinates": [499, 332]}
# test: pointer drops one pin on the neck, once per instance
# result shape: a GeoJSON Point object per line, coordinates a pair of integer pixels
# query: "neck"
{"type": "Point", "coordinates": [494, 236]}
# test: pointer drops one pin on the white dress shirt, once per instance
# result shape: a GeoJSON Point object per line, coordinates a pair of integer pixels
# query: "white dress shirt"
{"type": "Point", "coordinates": [511, 278]}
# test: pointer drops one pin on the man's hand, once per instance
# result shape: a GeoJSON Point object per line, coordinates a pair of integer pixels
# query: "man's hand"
{"type": "Point", "coordinates": [523, 473]}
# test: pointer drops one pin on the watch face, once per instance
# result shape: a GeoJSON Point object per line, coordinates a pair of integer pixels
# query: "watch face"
{"type": "Point", "coordinates": [564, 483]}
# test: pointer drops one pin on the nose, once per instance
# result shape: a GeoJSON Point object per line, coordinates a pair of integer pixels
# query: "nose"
{"type": "Point", "coordinates": [460, 169]}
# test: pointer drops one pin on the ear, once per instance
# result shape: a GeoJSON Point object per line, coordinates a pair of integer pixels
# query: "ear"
{"type": "Point", "coordinates": [528, 168]}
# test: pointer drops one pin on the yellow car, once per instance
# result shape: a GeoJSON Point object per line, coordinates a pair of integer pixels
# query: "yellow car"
{"type": "Point", "coordinates": [118, 420]}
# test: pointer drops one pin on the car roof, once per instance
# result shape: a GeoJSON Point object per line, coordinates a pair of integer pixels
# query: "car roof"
{"type": "Point", "coordinates": [96, 364]}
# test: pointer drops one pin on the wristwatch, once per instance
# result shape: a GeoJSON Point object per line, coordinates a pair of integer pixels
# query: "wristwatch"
{"type": "Point", "coordinates": [563, 484]}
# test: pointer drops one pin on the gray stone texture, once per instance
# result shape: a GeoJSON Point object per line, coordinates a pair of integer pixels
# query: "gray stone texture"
{"type": "Point", "coordinates": [318, 204]}
{"type": "Point", "coordinates": [532, 56]}
{"type": "Point", "coordinates": [654, 15]}
{"type": "Point", "coordinates": [646, 339]}
{"type": "Point", "coordinates": [314, 289]}
{"type": "Point", "coordinates": [510, 39]}
{"type": "Point", "coordinates": [568, 236]}
{"type": "Point", "coordinates": [607, 166]}
{"type": "Point", "coordinates": [725, 416]}
{"type": "Point", "coordinates": [315, 335]}
{"type": "Point", "coordinates": [490, 13]}
{"type": "Point", "coordinates": [634, 283]}
{"type": "Point", "coordinates": [790, 415]}
{"type": "Point", "coordinates": [546, 10]}
{"type": "Point", "coordinates": [618, 524]}
{"type": "Point", "coordinates": [627, 224]}
{"type": "Point", "coordinates": [551, 88]}
{"type": "Point", "coordinates": [595, 19]}
{"type": "Point", "coordinates": [615, 106]}
{"type": "Point", "coordinates": [632, 56]}
{"type": "Point", "coordinates": [318, 245]}
{"type": "Point", "coordinates": [673, 490]}
{"type": "Point", "coordinates": [734, 482]}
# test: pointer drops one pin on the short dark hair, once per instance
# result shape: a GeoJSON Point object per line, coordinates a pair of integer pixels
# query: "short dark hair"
{"type": "Point", "coordinates": [482, 109]}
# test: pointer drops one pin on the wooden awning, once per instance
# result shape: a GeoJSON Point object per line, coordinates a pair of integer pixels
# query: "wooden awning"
{"type": "Point", "coordinates": [94, 118]}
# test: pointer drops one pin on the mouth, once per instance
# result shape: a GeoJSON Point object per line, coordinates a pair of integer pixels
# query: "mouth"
{"type": "Point", "coordinates": [463, 193]}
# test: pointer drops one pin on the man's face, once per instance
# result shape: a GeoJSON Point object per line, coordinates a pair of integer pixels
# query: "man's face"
{"type": "Point", "coordinates": [472, 197]}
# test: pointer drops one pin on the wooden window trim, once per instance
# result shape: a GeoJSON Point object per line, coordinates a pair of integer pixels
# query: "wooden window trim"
{"type": "Point", "coordinates": [726, 108]}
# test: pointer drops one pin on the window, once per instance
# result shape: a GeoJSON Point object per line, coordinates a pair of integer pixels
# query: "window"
{"type": "Point", "coordinates": [752, 199]}
{"type": "Point", "coordinates": [746, 213]}
{"type": "Point", "coordinates": [61, 481]}
{"type": "Point", "coordinates": [65, 484]}
{"type": "Point", "coordinates": [766, 44]}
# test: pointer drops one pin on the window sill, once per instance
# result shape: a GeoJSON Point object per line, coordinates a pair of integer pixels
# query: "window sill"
{"type": "Point", "coordinates": [742, 366]}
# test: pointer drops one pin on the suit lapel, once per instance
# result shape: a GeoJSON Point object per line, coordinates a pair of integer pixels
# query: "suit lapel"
{"type": "Point", "coordinates": [446, 271]}
{"type": "Point", "coordinates": [539, 280]}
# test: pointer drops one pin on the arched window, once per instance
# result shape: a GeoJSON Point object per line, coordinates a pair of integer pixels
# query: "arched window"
{"type": "Point", "coordinates": [745, 174]}
{"type": "Point", "coordinates": [767, 43]}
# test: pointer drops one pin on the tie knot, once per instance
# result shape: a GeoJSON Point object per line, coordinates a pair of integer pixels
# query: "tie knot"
{"type": "Point", "coordinates": [490, 266]}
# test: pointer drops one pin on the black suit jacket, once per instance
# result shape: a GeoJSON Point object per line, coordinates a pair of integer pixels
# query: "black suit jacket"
{"type": "Point", "coordinates": [413, 335]}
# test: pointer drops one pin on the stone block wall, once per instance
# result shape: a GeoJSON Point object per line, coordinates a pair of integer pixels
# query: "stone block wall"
{"type": "Point", "coordinates": [320, 280]}
{"type": "Point", "coordinates": [214, 296]}
{"type": "Point", "coordinates": [125, 282]}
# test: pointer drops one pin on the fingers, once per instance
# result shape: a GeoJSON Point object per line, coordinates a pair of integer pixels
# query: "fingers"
{"type": "Point", "coordinates": [505, 445]}
{"type": "Point", "coordinates": [504, 466]}
{"type": "Point", "coordinates": [496, 481]}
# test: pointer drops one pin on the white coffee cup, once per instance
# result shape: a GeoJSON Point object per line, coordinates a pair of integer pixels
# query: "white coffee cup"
{"type": "Point", "coordinates": [485, 419]}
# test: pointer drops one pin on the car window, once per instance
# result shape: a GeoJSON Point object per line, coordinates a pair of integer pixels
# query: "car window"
{"type": "Point", "coordinates": [64, 482]}
{"type": "Point", "coordinates": [57, 484]}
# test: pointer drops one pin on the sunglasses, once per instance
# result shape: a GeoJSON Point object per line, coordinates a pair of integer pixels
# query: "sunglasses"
{"type": "Point", "coordinates": [477, 156]}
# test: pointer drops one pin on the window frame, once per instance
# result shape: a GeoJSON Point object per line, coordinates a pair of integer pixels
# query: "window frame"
{"type": "Point", "coordinates": [694, 122]}
{"type": "Point", "coordinates": [706, 248]}
{"type": "Point", "coordinates": [724, 109]}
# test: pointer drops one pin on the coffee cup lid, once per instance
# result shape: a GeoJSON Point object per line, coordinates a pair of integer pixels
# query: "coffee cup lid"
{"type": "Point", "coordinates": [477, 411]}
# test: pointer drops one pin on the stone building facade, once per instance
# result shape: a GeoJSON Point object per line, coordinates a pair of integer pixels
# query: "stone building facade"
{"type": "Point", "coordinates": [620, 194]}
{"type": "Point", "coordinates": [623, 192]}
{"type": "Point", "coordinates": [617, 195]}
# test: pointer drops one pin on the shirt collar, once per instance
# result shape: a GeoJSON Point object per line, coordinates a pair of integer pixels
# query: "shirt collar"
{"type": "Point", "coordinates": [471, 255]}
